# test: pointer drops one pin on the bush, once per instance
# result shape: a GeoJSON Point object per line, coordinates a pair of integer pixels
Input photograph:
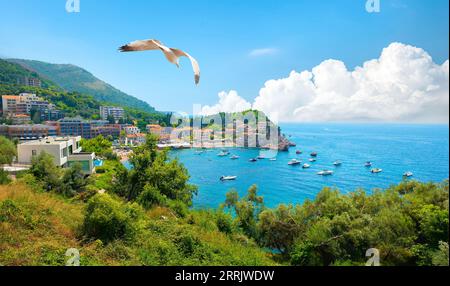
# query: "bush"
{"type": "Point", "coordinates": [4, 178]}
{"type": "Point", "coordinates": [109, 219]}
{"type": "Point", "coordinates": [224, 222]}
{"type": "Point", "coordinates": [179, 208]}
{"type": "Point", "coordinates": [151, 197]}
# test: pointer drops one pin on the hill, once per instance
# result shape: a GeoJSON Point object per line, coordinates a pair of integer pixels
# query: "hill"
{"type": "Point", "coordinates": [75, 79]}
{"type": "Point", "coordinates": [14, 74]}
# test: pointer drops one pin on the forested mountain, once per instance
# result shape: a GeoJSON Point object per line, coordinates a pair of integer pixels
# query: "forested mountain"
{"type": "Point", "coordinates": [75, 79]}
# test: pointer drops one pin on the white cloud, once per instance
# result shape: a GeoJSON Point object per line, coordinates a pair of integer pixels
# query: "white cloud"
{"type": "Point", "coordinates": [403, 85]}
{"type": "Point", "coordinates": [263, 52]}
{"type": "Point", "coordinates": [228, 102]}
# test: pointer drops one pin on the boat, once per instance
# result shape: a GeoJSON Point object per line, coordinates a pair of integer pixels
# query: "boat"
{"type": "Point", "coordinates": [253, 160]}
{"type": "Point", "coordinates": [408, 174]}
{"type": "Point", "coordinates": [306, 166]}
{"type": "Point", "coordinates": [223, 154]}
{"type": "Point", "coordinates": [368, 164]}
{"type": "Point", "coordinates": [314, 154]}
{"type": "Point", "coordinates": [312, 160]}
{"type": "Point", "coordinates": [337, 163]}
{"type": "Point", "coordinates": [228, 178]}
{"type": "Point", "coordinates": [299, 152]}
{"type": "Point", "coordinates": [376, 171]}
{"type": "Point", "coordinates": [272, 159]}
{"type": "Point", "coordinates": [261, 157]}
{"type": "Point", "coordinates": [325, 173]}
{"type": "Point", "coordinates": [234, 157]}
{"type": "Point", "coordinates": [294, 162]}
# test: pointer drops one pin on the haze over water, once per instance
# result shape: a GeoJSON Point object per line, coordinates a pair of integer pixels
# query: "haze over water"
{"type": "Point", "coordinates": [421, 149]}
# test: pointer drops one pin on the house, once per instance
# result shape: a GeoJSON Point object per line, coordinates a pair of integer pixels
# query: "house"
{"type": "Point", "coordinates": [65, 151]}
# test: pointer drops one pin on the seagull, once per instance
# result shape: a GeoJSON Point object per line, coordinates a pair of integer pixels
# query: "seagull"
{"type": "Point", "coordinates": [172, 55]}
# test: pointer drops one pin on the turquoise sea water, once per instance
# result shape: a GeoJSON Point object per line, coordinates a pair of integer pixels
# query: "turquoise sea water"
{"type": "Point", "coordinates": [421, 149]}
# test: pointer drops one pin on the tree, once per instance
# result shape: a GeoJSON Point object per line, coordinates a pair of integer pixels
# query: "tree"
{"type": "Point", "coordinates": [98, 145]}
{"type": "Point", "coordinates": [247, 209]}
{"type": "Point", "coordinates": [73, 181]}
{"type": "Point", "coordinates": [7, 151]}
{"type": "Point", "coordinates": [45, 170]}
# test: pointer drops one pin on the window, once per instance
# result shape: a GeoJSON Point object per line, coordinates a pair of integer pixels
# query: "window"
{"type": "Point", "coordinates": [33, 152]}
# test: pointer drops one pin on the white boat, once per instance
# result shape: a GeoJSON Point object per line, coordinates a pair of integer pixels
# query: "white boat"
{"type": "Point", "coordinates": [337, 163]}
{"type": "Point", "coordinates": [306, 166]}
{"type": "Point", "coordinates": [234, 157]}
{"type": "Point", "coordinates": [228, 178]}
{"type": "Point", "coordinates": [325, 173]}
{"type": "Point", "coordinates": [368, 164]}
{"type": "Point", "coordinates": [312, 160]}
{"type": "Point", "coordinates": [253, 160]}
{"type": "Point", "coordinates": [376, 171]}
{"type": "Point", "coordinates": [261, 157]}
{"type": "Point", "coordinates": [294, 162]}
{"type": "Point", "coordinates": [408, 174]}
{"type": "Point", "coordinates": [272, 159]}
{"type": "Point", "coordinates": [223, 154]}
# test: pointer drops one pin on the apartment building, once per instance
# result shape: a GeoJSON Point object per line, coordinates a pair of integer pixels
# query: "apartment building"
{"type": "Point", "coordinates": [116, 112]}
{"type": "Point", "coordinates": [66, 151]}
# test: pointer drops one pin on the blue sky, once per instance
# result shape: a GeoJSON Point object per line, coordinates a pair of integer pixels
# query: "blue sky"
{"type": "Point", "coordinates": [239, 44]}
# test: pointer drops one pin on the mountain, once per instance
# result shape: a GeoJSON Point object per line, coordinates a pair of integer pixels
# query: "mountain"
{"type": "Point", "coordinates": [76, 79]}
{"type": "Point", "coordinates": [11, 73]}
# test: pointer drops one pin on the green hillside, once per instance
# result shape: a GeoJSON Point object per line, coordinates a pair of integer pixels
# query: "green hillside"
{"type": "Point", "coordinates": [76, 79]}
{"type": "Point", "coordinates": [11, 73]}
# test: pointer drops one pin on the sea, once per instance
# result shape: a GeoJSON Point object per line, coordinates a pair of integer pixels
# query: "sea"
{"type": "Point", "coordinates": [396, 149]}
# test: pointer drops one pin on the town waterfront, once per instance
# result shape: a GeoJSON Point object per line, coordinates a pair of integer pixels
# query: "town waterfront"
{"type": "Point", "coordinates": [421, 149]}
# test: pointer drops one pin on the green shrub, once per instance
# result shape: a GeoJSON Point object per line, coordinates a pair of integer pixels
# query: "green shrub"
{"type": "Point", "coordinates": [180, 209]}
{"type": "Point", "coordinates": [224, 222]}
{"type": "Point", "coordinates": [151, 197]}
{"type": "Point", "coordinates": [109, 219]}
{"type": "Point", "coordinates": [4, 178]}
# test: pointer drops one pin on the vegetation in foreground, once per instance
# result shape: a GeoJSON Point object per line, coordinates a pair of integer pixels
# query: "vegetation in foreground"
{"type": "Point", "coordinates": [142, 217]}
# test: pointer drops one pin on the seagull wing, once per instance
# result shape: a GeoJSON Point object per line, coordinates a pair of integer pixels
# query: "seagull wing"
{"type": "Point", "coordinates": [137, 46]}
{"type": "Point", "coordinates": [195, 65]}
{"type": "Point", "coordinates": [150, 45]}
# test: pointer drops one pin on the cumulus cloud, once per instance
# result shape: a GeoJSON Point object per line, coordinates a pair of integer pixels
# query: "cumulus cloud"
{"type": "Point", "coordinates": [403, 85]}
{"type": "Point", "coordinates": [228, 102]}
{"type": "Point", "coordinates": [263, 52]}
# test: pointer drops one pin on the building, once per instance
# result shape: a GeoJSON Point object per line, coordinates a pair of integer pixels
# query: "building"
{"type": "Point", "coordinates": [20, 119]}
{"type": "Point", "coordinates": [135, 139]}
{"type": "Point", "coordinates": [154, 129]}
{"type": "Point", "coordinates": [131, 130]}
{"type": "Point", "coordinates": [9, 103]}
{"type": "Point", "coordinates": [107, 130]}
{"type": "Point", "coordinates": [75, 127]}
{"type": "Point", "coordinates": [66, 151]}
{"type": "Point", "coordinates": [50, 115]}
{"type": "Point", "coordinates": [28, 131]}
{"type": "Point", "coordinates": [32, 81]}
{"type": "Point", "coordinates": [24, 103]}
{"type": "Point", "coordinates": [116, 112]}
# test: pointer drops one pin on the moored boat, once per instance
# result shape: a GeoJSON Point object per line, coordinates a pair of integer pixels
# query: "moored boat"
{"type": "Point", "coordinates": [376, 171]}
{"type": "Point", "coordinates": [312, 160]}
{"type": "Point", "coordinates": [368, 164]}
{"type": "Point", "coordinates": [325, 173]}
{"type": "Point", "coordinates": [253, 160]}
{"type": "Point", "coordinates": [228, 178]}
{"type": "Point", "coordinates": [337, 163]}
{"type": "Point", "coordinates": [314, 154]}
{"type": "Point", "coordinates": [294, 162]}
{"type": "Point", "coordinates": [234, 157]}
{"type": "Point", "coordinates": [306, 166]}
{"type": "Point", "coordinates": [408, 174]}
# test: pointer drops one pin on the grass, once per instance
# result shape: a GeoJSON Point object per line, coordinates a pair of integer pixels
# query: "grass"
{"type": "Point", "coordinates": [37, 228]}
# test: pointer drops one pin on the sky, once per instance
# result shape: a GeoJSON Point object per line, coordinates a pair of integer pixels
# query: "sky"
{"type": "Point", "coordinates": [292, 59]}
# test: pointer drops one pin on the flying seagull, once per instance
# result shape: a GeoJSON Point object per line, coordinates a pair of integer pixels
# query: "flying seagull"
{"type": "Point", "coordinates": [172, 55]}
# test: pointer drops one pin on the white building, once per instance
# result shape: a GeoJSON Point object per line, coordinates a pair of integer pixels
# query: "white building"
{"type": "Point", "coordinates": [132, 130]}
{"type": "Point", "coordinates": [65, 152]}
{"type": "Point", "coordinates": [116, 112]}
